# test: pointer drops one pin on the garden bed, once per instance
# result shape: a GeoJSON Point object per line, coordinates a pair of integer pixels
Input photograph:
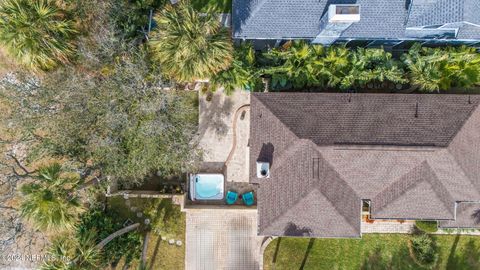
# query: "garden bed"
{"type": "Point", "coordinates": [373, 251]}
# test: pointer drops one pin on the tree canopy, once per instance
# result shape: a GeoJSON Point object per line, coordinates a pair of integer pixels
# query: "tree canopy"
{"type": "Point", "coordinates": [118, 123]}
{"type": "Point", "coordinates": [190, 45]}
{"type": "Point", "coordinates": [51, 202]}
{"type": "Point", "coordinates": [37, 34]}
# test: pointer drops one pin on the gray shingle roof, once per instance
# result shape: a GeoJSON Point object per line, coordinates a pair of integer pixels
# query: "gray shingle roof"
{"type": "Point", "coordinates": [438, 12]}
{"type": "Point", "coordinates": [279, 19]}
{"type": "Point", "coordinates": [341, 148]}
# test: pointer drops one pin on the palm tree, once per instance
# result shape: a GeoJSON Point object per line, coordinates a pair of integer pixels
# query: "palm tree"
{"type": "Point", "coordinates": [240, 75]}
{"type": "Point", "coordinates": [374, 65]}
{"type": "Point", "coordinates": [300, 64]}
{"type": "Point", "coordinates": [190, 45]}
{"type": "Point", "coordinates": [336, 66]}
{"type": "Point", "coordinates": [51, 202]}
{"type": "Point", "coordinates": [36, 33]}
{"type": "Point", "coordinates": [72, 253]}
{"type": "Point", "coordinates": [425, 69]}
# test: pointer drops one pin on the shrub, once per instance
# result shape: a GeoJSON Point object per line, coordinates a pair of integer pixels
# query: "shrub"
{"type": "Point", "coordinates": [424, 250]}
{"type": "Point", "coordinates": [426, 226]}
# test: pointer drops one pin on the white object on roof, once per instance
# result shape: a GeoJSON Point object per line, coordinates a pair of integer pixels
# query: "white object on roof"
{"type": "Point", "coordinates": [263, 169]}
{"type": "Point", "coordinates": [343, 13]}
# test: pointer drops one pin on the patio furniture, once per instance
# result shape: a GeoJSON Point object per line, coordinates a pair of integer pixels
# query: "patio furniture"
{"type": "Point", "coordinates": [248, 198]}
{"type": "Point", "coordinates": [231, 197]}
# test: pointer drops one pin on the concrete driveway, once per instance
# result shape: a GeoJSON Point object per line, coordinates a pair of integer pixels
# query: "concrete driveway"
{"type": "Point", "coordinates": [222, 239]}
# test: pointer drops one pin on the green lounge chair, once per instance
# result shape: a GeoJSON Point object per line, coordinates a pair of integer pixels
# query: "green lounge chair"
{"type": "Point", "coordinates": [248, 198]}
{"type": "Point", "coordinates": [231, 197]}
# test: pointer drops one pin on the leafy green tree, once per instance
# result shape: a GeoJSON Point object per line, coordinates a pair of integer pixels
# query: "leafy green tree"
{"type": "Point", "coordinates": [36, 33]}
{"type": "Point", "coordinates": [241, 74]}
{"type": "Point", "coordinates": [117, 124]}
{"type": "Point", "coordinates": [190, 45]}
{"type": "Point", "coordinates": [51, 202]}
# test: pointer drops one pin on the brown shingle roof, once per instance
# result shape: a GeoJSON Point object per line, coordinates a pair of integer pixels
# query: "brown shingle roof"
{"type": "Point", "coordinates": [342, 148]}
{"type": "Point", "coordinates": [467, 216]}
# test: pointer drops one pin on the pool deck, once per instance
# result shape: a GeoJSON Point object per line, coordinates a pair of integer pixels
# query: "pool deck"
{"type": "Point", "coordinates": [216, 118]}
{"type": "Point", "coordinates": [221, 236]}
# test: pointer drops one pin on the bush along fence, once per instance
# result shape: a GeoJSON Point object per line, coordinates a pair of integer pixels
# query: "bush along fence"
{"type": "Point", "coordinates": [298, 65]}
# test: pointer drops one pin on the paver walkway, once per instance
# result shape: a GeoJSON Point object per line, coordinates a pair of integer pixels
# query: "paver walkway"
{"type": "Point", "coordinates": [216, 119]}
{"type": "Point", "coordinates": [388, 227]}
{"type": "Point", "coordinates": [222, 239]}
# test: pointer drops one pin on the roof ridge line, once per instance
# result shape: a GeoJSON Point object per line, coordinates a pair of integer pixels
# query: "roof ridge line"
{"type": "Point", "coordinates": [436, 183]}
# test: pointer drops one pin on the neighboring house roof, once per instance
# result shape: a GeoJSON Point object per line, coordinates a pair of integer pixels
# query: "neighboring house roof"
{"type": "Point", "coordinates": [439, 12]}
{"type": "Point", "coordinates": [413, 156]}
{"type": "Point", "coordinates": [284, 19]}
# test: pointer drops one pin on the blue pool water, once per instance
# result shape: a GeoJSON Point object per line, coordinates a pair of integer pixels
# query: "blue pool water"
{"type": "Point", "coordinates": [206, 186]}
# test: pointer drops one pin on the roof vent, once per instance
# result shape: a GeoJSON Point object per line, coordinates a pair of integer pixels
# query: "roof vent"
{"type": "Point", "coordinates": [343, 13]}
{"type": "Point", "coordinates": [263, 169]}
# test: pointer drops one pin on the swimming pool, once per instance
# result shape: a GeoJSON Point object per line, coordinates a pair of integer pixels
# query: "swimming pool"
{"type": "Point", "coordinates": [205, 186]}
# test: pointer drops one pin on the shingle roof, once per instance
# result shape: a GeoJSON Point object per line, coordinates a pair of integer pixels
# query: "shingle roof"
{"type": "Point", "coordinates": [467, 216]}
{"type": "Point", "coordinates": [341, 148]}
{"type": "Point", "coordinates": [438, 12]}
{"type": "Point", "coordinates": [280, 19]}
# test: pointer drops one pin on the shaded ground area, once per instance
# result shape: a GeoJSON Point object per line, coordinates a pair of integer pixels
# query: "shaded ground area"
{"type": "Point", "coordinates": [220, 6]}
{"type": "Point", "coordinates": [373, 251]}
{"type": "Point", "coordinates": [215, 126]}
{"type": "Point", "coordinates": [222, 239]}
{"type": "Point", "coordinates": [160, 254]}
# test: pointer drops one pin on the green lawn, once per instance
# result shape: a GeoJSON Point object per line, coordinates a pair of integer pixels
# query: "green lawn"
{"type": "Point", "coordinates": [160, 255]}
{"type": "Point", "coordinates": [373, 251]}
{"type": "Point", "coordinates": [220, 6]}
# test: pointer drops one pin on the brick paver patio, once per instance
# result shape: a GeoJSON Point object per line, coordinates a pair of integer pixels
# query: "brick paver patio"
{"type": "Point", "coordinates": [222, 239]}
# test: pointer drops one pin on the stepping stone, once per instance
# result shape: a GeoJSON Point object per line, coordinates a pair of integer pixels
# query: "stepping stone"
{"type": "Point", "coordinates": [133, 208]}
{"type": "Point", "coordinates": [164, 238]}
{"type": "Point", "coordinates": [178, 243]}
{"type": "Point", "coordinates": [171, 241]}
{"type": "Point", "coordinates": [139, 214]}
{"type": "Point", "coordinates": [128, 203]}
{"type": "Point", "coordinates": [147, 221]}
{"type": "Point", "coordinates": [125, 196]}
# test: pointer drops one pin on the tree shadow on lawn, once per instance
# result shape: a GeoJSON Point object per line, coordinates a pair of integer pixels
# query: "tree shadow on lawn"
{"type": "Point", "coordinates": [155, 253]}
{"type": "Point", "coordinates": [309, 248]}
{"type": "Point", "coordinates": [468, 259]}
{"type": "Point", "coordinates": [399, 259]}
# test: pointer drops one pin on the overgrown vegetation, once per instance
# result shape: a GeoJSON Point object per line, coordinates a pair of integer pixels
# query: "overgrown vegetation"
{"type": "Point", "coordinates": [102, 110]}
{"type": "Point", "coordinates": [300, 66]}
